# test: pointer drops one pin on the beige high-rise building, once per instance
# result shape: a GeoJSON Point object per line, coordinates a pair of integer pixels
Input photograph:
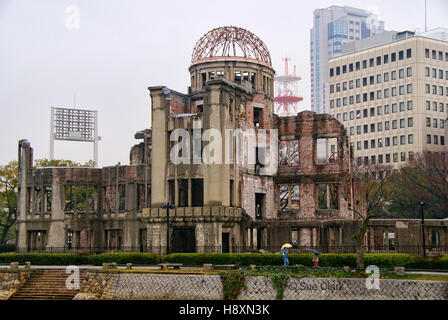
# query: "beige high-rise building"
{"type": "Point", "coordinates": [393, 97]}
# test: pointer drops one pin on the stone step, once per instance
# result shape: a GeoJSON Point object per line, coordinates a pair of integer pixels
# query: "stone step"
{"type": "Point", "coordinates": [47, 294]}
{"type": "Point", "coordinates": [44, 285]}
{"type": "Point", "coordinates": [46, 290]}
{"type": "Point", "coordinates": [47, 285]}
{"type": "Point", "coordinates": [39, 294]}
{"type": "Point", "coordinates": [30, 295]}
{"type": "Point", "coordinates": [41, 298]}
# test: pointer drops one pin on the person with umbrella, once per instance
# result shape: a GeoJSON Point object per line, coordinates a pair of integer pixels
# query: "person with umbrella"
{"type": "Point", "coordinates": [315, 258]}
{"type": "Point", "coordinates": [285, 254]}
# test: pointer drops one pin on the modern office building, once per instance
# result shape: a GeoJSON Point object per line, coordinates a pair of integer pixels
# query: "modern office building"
{"type": "Point", "coordinates": [332, 27]}
{"type": "Point", "coordinates": [393, 97]}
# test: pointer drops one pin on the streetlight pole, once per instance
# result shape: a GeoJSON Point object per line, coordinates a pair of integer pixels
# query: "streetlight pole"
{"type": "Point", "coordinates": [421, 203]}
{"type": "Point", "coordinates": [167, 206]}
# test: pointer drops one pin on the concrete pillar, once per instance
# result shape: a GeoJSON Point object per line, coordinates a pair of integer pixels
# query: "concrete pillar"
{"type": "Point", "coordinates": [208, 236]}
{"type": "Point", "coordinates": [56, 232]}
{"type": "Point", "coordinates": [25, 160]}
{"type": "Point", "coordinates": [159, 143]}
{"type": "Point", "coordinates": [214, 181]}
{"type": "Point", "coordinates": [265, 238]}
{"type": "Point", "coordinates": [254, 238]}
{"type": "Point", "coordinates": [157, 237]}
{"type": "Point", "coordinates": [200, 237]}
{"type": "Point", "coordinates": [190, 193]}
{"type": "Point", "coordinates": [130, 234]}
{"type": "Point", "coordinates": [251, 238]}
{"type": "Point", "coordinates": [217, 236]}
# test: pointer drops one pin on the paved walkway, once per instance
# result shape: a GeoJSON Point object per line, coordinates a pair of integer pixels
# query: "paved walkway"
{"type": "Point", "coordinates": [432, 273]}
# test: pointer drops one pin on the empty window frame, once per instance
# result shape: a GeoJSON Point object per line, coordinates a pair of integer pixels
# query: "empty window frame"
{"type": "Point", "coordinates": [182, 185]}
{"type": "Point", "coordinates": [289, 197]}
{"type": "Point", "coordinates": [197, 192]}
{"type": "Point", "coordinates": [327, 151]}
{"type": "Point", "coordinates": [327, 196]}
{"type": "Point", "coordinates": [258, 116]}
{"type": "Point", "coordinates": [289, 153]}
{"type": "Point", "coordinates": [80, 198]}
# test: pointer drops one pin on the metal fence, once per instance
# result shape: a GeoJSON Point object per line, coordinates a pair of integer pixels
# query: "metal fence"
{"type": "Point", "coordinates": [7, 248]}
{"type": "Point", "coordinates": [408, 249]}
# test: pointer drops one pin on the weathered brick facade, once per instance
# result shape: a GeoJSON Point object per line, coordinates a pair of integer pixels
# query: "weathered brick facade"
{"type": "Point", "coordinates": [303, 195]}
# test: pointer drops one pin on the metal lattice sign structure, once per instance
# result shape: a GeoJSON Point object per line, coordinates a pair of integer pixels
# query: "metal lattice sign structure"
{"type": "Point", "coordinates": [71, 124]}
{"type": "Point", "coordinates": [74, 124]}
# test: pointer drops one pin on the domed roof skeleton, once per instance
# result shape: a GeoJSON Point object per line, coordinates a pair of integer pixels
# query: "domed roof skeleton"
{"type": "Point", "coordinates": [231, 42]}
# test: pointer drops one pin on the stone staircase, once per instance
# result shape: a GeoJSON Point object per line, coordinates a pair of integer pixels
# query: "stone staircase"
{"type": "Point", "coordinates": [46, 285]}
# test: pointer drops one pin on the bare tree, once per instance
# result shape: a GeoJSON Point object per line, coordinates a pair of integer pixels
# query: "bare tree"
{"type": "Point", "coordinates": [424, 178]}
{"type": "Point", "coordinates": [370, 183]}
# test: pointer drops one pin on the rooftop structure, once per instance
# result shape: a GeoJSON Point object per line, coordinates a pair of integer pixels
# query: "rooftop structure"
{"type": "Point", "coordinates": [230, 43]}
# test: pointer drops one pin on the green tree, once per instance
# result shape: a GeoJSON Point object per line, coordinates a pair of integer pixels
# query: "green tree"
{"type": "Point", "coordinates": [8, 200]}
{"type": "Point", "coordinates": [62, 163]}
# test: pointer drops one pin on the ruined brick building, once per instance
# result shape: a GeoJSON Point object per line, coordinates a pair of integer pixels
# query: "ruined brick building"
{"type": "Point", "coordinates": [303, 198]}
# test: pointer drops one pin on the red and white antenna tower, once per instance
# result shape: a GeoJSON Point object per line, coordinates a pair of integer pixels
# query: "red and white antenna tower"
{"type": "Point", "coordinates": [287, 99]}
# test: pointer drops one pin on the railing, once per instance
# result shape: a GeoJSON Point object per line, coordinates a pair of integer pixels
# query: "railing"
{"type": "Point", "coordinates": [408, 249]}
{"type": "Point", "coordinates": [7, 248]}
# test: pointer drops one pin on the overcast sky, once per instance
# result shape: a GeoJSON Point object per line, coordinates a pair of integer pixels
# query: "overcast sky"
{"type": "Point", "coordinates": [122, 47]}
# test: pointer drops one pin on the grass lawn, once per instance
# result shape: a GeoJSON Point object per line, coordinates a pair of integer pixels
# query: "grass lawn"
{"type": "Point", "coordinates": [425, 277]}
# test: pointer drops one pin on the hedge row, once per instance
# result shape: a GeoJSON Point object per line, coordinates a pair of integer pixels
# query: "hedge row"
{"type": "Point", "coordinates": [75, 259]}
{"type": "Point", "coordinates": [387, 260]}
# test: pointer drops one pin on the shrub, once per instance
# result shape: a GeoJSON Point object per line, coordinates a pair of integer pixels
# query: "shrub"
{"type": "Point", "coordinates": [337, 260]}
{"type": "Point", "coordinates": [232, 284]}
{"type": "Point", "coordinates": [279, 282]}
{"type": "Point", "coordinates": [75, 259]}
{"type": "Point", "coordinates": [243, 259]}
{"type": "Point", "coordinates": [123, 258]}
{"type": "Point", "coordinates": [428, 263]}
{"type": "Point", "coordinates": [387, 260]}
{"type": "Point", "coordinates": [44, 258]}
{"type": "Point", "coordinates": [202, 258]}
{"type": "Point", "coordinates": [261, 259]}
{"type": "Point", "coordinates": [443, 263]}
{"type": "Point", "coordinates": [382, 260]}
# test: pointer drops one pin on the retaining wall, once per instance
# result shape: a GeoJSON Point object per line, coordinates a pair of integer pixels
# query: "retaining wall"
{"type": "Point", "coordinates": [135, 286]}
{"type": "Point", "coordinates": [11, 280]}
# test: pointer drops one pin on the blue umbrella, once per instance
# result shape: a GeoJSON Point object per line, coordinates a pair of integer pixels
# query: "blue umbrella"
{"type": "Point", "coordinates": [315, 252]}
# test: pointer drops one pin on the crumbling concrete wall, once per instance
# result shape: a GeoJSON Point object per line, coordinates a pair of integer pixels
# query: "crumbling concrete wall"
{"type": "Point", "coordinates": [306, 128]}
{"type": "Point", "coordinates": [80, 206]}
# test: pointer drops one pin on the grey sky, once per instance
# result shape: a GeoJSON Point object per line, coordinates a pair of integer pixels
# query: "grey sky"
{"type": "Point", "coordinates": [122, 47]}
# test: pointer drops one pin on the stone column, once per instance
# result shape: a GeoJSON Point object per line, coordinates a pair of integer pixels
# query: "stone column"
{"type": "Point", "coordinates": [200, 237]}
{"type": "Point", "coordinates": [56, 232]}
{"type": "Point", "coordinates": [214, 180]}
{"type": "Point", "coordinates": [156, 237]}
{"type": "Point", "coordinates": [159, 143]}
{"type": "Point", "coordinates": [25, 162]}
